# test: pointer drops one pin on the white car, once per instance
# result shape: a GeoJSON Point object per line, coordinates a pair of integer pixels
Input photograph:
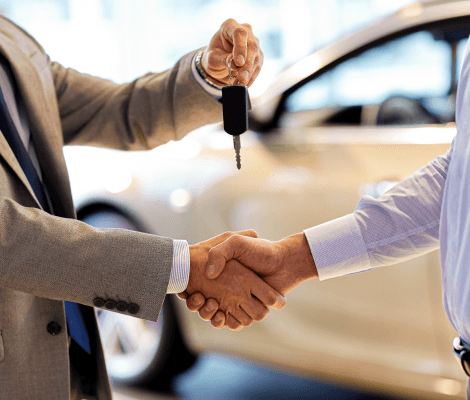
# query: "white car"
{"type": "Point", "coordinates": [351, 119]}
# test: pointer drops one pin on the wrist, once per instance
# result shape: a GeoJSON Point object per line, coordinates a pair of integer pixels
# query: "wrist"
{"type": "Point", "coordinates": [298, 257]}
{"type": "Point", "coordinates": [194, 265]}
{"type": "Point", "coordinates": [203, 74]}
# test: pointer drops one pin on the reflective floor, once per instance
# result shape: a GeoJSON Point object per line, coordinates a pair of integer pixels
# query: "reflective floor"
{"type": "Point", "coordinates": [216, 376]}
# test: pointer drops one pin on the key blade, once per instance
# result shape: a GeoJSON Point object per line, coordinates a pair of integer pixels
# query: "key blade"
{"type": "Point", "coordinates": [237, 147]}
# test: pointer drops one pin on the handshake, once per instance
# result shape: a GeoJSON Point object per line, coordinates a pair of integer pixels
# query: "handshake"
{"type": "Point", "coordinates": [235, 277]}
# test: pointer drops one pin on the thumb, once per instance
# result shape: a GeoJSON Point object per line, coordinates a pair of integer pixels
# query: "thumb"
{"type": "Point", "coordinates": [233, 247]}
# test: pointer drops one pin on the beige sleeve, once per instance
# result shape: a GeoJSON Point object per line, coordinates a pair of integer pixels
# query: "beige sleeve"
{"type": "Point", "coordinates": [64, 259]}
{"type": "Point", "coordinates": [140, 115]}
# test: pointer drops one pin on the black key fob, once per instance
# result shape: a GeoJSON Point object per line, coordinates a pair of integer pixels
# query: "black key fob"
{"type": "Point", "coordinates": [235, 109]}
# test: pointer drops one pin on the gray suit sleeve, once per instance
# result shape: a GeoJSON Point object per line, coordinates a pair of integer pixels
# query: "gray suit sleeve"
{"type": "Point", "coordinates": [139, 115]}
{"type": "Point", "coordinates": [63, 259]}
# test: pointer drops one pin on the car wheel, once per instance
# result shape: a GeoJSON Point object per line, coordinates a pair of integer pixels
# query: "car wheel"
{"type": "Point", "coordinates": [137, 351]}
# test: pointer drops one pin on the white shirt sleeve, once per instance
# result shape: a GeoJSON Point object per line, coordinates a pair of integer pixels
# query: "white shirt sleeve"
{"type": "Point", "coordinates": [401, 224]}
{"type": "Point", "coordinates": [180, 270]}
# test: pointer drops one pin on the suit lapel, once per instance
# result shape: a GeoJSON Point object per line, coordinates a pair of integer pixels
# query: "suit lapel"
{"type": "Point", "coordinates": [45, 128]}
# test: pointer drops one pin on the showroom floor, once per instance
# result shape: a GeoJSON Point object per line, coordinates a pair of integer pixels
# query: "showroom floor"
{"type": "Point", "coordinates": [216, 376]}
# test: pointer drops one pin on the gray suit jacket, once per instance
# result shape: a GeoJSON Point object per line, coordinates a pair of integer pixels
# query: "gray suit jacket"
{"type": "Point", "coordinates": [46, 259]}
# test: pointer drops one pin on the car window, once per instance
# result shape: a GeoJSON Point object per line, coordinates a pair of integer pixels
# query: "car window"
{"type": "Point", "coordinates": [412, 72]}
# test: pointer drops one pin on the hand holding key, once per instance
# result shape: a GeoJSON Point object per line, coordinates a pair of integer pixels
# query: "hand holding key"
{"type": "Point", "coordinates": [237, 41]}
{"type": "Point", "coordinates": [233, 46]}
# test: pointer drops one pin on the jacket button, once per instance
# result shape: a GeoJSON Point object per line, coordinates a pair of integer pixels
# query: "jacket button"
{"type": "Point", "coordinates": [133, 308]}
{"type": "Point", "coordinates": [98, 302]}
{"type": "Point", "coordinates": [53, 328]}
{"type": "Point", "coordinates": [121, 306]}
{"type": "Point", "coordinates": [110, 304]}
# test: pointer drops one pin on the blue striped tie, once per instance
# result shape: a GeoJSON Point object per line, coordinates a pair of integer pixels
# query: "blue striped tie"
{"type": "Point", "coordinates": [75, 321]}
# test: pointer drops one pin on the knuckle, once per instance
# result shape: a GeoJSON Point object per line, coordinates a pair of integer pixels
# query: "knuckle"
{"type": "Point", "coordinates": [191, 306]}
{"type": "Point", "coordinates": [198, 299]}
{"type": "Point", "coordinates": [250, 63]}
{"type": "Point", "coordinates": [218, 325]}
{"type": "Point", "coordinates": [218, 320]}
{"type": "Point", "coordinates": [252, 233]}
{"type": "Point", "coordinates": [211, 305]}
{"type": "Point", "coordinates": [234, 239]}
{"type": "Point", "coordinates": [229, 21]}
{"type": "Point", "coordinates": [192, 301]}
{"type": "Point", "coordinates": [241, 31]}
{"type": "Point", "coordinates": [195, 301]}
{"type": "Point", "coordinates": [254, 47]}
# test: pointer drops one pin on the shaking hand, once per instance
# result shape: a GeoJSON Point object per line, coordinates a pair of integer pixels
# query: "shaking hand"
{"type": "Point", "coordinates": [283, 265]}
{"type": "Point", "coordinates": [241, 295]}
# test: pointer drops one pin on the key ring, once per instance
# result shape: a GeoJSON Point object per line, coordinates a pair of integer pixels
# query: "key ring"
{"type": "Point", "coordinates": [230, 70]}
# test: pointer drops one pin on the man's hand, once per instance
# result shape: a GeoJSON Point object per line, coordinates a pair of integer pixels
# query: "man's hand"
{"type": "Point", "coordinates": [283, 265]}
{"type": "Point", "coordinates": [232, 292]}
{"type": "Point", "coordinates": [237, 40]}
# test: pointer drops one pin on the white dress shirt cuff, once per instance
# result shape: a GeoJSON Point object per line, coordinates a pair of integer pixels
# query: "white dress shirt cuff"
{"type": "Point", "coordinates": [338, 248]}
{"type": "Point", "coordinates": [180, 270]}
{"type": "Point", "coordinates": [214, 92]}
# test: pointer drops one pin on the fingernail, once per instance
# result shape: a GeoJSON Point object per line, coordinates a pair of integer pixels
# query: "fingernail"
{"type": "Point", "coordinates": [209, 309]}
{"type": "Point", "coordinates": [197, 302]}
{"type": "Point", "coordinates": [211, 270]}
{"type": "Point", "coordinates": [241, 59]}
{"type": "Point", "coordinates": [245, 75]}
{"type": "Point", "coordinates": [217, 318]}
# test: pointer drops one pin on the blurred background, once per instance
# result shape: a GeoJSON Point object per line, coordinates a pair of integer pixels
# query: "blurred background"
{"type": "Point", "coordinates": [123, 39]}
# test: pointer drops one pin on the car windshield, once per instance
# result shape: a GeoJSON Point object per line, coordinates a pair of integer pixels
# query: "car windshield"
{"type": "Point", "coordinates": [416, 69]}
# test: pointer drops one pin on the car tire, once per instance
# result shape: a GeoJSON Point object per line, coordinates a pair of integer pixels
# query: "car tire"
{"type": "Point", "coordinates": [138, 352]}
